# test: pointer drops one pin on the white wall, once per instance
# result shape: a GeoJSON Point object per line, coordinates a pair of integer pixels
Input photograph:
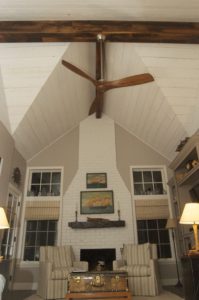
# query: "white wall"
{"type": "Point", "coordinates": [97, 154]}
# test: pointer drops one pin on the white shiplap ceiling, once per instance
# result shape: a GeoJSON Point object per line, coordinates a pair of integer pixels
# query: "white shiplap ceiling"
{"type": "Point", "coordinates": [41, 100]}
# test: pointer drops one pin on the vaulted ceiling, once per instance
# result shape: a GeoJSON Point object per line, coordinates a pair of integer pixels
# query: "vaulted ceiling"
{"type": "Point", "coordinates": [40, 100]}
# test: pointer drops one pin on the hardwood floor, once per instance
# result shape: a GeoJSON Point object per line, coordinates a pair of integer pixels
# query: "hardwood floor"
{"type": "Point", "coordinates": [16, 295]}
{"type": "Point", "coordinates": [177, 294]}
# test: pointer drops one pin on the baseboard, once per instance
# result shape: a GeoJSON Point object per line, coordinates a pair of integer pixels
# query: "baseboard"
{"type": "Point", "coordinates": [25, 286]}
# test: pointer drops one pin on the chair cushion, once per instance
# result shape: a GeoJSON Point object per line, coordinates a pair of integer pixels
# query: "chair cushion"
{"type": "Point", "coordinates": [137, 270]}
{"type": "Point", "coordinates": [60, 273]}
{"type": "Point", "coordinates": [136, 254]}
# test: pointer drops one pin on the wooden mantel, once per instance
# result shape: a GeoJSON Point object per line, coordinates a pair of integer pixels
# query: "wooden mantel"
{"type": "Point", "coordinates": [97, 224]}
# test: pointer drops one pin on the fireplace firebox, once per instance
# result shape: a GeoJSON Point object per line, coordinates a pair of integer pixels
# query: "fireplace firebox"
{"type": "Point", "coordinates": [98, 259]}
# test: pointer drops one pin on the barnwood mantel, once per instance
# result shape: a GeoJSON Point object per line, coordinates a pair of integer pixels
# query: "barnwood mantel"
{"type": "Point", "coordinates": [97, 224]}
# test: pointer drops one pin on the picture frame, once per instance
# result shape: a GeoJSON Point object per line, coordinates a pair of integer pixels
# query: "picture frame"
{"type": "Point", "coordinates": [96, 180]}
{"type": "Point", "coordinates": [96, 202]}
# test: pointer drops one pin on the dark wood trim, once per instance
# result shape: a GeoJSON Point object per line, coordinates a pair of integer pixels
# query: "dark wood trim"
{"type": "Point", "coordinates": [86, 31]}
{"type": "Point", "coordinates": [101, 224]}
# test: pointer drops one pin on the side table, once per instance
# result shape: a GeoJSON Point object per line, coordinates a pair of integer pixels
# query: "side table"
{"type": "Point", "coordinates": [190, 271]}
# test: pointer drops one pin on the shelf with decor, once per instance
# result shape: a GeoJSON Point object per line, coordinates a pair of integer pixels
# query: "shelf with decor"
{"type": "Point", "coordinates": [186, 163]}
{"type": "Point", "coordinates": [185, 167]}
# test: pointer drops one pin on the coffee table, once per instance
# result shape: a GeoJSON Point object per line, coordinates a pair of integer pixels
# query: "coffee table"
{"type": "Point", "coordinates": [98, 285]}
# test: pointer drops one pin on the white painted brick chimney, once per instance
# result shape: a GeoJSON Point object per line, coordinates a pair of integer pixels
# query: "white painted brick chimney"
{"type": "Point", "coordinates": [97, 154]}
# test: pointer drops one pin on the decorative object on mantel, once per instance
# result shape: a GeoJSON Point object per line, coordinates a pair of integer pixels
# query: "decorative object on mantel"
{"type": "Point", "coordinates": [96, 180]}
{"type": "Point", "coordinates": [96, 224]}
{"type": "Point", "coordinates": [182, 144]}
{"type": "Point", "coordinates": [76, 213]}
{"type": "Point", "coordinates": [118, 211]}
{"type": "Point", "coordinates": [1, 164]}
{"type": "Point", "coordinates": [16, 176]}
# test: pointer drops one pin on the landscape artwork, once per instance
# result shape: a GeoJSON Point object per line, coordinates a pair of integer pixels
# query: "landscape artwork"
{"type": "Point", "coordinates": [96, 180]}
{"type": "Point", "coordinates": [96, 202]}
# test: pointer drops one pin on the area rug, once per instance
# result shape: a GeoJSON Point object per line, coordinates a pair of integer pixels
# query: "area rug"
{"type": "Point", "coordinates": [165, 295]}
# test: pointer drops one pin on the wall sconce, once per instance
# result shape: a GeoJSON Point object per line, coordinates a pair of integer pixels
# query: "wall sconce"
{"type": "Point", "coordinates": [190, 215]}
{"type": "Point", "coordinates": [3, 219]}
{"type": "Point", "coordinates": [171, 224]}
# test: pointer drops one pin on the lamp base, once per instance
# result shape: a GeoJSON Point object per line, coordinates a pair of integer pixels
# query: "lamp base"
{"type": "Point", "coordinates": [193, 252]}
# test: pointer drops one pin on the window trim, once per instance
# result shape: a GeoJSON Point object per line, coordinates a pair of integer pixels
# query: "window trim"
{"type": "Point", "coordinates": [149, 168]}
{"type": "Point", "coordinates": [25, 230]}
{"type": "Point", "coordinates": [153, 197]}
{"type": "Point", "coordinates": [41, 168]}
{"type": "Point", "coordinates": [158, 244]}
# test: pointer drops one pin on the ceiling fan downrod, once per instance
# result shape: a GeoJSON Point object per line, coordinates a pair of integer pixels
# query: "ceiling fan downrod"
{"type": "Point", "coordinates": [100, 39]}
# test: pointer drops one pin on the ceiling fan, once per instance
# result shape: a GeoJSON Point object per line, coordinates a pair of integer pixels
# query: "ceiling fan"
{"type": "Point", "coordinates": [100, 83]}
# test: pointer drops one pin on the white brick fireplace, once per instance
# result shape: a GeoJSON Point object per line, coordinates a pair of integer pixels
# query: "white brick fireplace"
{"type": "Point", "coordinates": [97, 153]}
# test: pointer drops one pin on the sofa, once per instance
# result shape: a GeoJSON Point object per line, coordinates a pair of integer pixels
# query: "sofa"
{"type": "Point", "coordinates": [55, 265]}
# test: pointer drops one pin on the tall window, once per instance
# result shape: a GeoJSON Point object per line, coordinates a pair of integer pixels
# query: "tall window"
{"type": "Point", "coordinates": [39, 233]}
{"type": "Point", "coordinates": [44, 183]}
{"type": "Point", "coordinates": [148, 182]}
{"type": "Point", "coordinates": [9, 236]}
{"type": "Point", "coordinates": [153, 231]}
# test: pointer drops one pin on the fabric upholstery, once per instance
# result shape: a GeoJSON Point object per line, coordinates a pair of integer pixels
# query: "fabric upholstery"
{"type": "Point", "coordinates": [2, 284]}
{"type": "Point", "coordinates": [56, 263]}
{"type": "Point", "coordinates": [140, 262]}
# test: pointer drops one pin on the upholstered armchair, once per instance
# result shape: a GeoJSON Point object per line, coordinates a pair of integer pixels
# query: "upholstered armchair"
{"type": "Point", "coordinates": [140, 262]}
{"type": "Point", "coordinates": [55, 264]}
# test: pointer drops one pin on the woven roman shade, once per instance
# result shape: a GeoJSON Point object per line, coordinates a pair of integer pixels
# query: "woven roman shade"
{"type": "Point", "coordinates": [42, 210]}
{"type": "Point", "coordinates": [151, 209]}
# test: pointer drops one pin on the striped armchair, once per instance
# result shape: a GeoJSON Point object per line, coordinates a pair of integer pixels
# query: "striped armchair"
{"type": "Point", "coordinates": [140, 262]}
{"type": "Point", "coordinates": [56, 262]}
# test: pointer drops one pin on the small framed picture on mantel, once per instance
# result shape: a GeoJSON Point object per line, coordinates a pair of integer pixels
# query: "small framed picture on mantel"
{"type": "Point", "coordinates": [96, 180]}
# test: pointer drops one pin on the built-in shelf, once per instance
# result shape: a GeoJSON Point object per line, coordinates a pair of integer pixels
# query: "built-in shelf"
{"type": "Point", "coordinates": [191, 176]}
{"type": "Point", "coordinates": [97, 224]}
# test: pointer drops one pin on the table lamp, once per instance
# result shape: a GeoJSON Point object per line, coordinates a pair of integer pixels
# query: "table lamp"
{"type": "Point", "coordinates": [3, 222]}
{"type": "Point", "coordinates": [3, 219]}
{"type": "Point", "coordinates": [190, 215]}
{"type": "Point", "coordinates": [171, 224]}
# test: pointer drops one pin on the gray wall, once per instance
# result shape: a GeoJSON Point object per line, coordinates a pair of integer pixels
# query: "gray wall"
{"type": "Point", "coordinates": [131, 151]}
{"type": "Point", "coordinates": [62, 153]}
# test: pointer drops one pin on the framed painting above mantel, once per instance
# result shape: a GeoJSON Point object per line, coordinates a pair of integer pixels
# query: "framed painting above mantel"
{"type": "Point", "coordinates": [96, 202]}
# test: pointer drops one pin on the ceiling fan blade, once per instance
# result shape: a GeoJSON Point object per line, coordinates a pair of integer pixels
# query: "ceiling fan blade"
{"type": "Point", "coordinates": [124, 82]}
{"type": "Point", "coordinates": [93, 107]}
{"type": "Point", "coordinates": [78, 71]}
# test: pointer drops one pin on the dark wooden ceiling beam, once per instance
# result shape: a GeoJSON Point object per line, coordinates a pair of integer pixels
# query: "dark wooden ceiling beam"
{"type": "Point", "coordinates": [86, 31]}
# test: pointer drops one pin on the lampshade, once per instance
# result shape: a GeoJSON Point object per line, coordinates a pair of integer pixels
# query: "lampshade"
{"type": "Point", "coordinates": [3, 219]}
{"type": "Point", "coordinates": [171, 224]}
{"type": "Point", "coordinates": [190, 214]}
